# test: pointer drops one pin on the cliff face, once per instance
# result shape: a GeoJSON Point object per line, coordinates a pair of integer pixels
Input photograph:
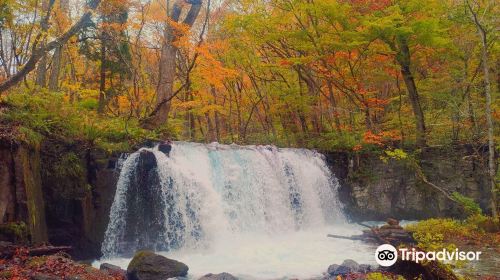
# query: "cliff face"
{"type": "Point", "coordinates": [374, 189]}
{"type": "Point", "coordinates": [64, 197]}
{"type": "Point", "coordinates": [21, 195]}
{"type": "Point", "coordinates": [63, 192]}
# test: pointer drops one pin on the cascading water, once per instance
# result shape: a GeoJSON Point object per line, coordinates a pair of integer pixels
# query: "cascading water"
{"type": "Point", "coordinates": [217, 202]}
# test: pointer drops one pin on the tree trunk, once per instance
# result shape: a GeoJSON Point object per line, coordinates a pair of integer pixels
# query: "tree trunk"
{"type": "Point", "coordinates": [165, 87]}
{"type": "Point", "coordinates": [41, 70]}
{"type": "Point", "coordinates": [39, 51]}
{"type": "Point", "coordinates": [56, 69]}
{"type": "Point", "coordinates": [57, 59]}
{"type": "Point", "coordinates": [404, 60]}
{"type": "Point", "coordinates": [216, 115]}
{"type": "Point", "coordinates": [102, 82]}
{"type": "Point", "coordinates": [489, 120]}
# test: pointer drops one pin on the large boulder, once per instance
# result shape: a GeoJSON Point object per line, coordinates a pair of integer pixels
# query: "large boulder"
{"type": "Point", "coordinates": [147, 265]}
{"type": "Point", "coordinates": [113, 270]}
{"type": "Point", "coordinates": [220, 276]}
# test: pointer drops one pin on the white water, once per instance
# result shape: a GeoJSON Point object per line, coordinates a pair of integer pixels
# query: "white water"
{"type": "Point", "coordinates": [253, 211]}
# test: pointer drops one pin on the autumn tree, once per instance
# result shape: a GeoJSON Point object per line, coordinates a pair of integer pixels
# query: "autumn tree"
{"type": "Point", "coordinates": [167, 65]}
{"type": "Point", "coordinates": [40, 49]}
{"type": "Point", "coordinates": [483, 32]}
{"type": "Point", "coordinates": [406, 26]}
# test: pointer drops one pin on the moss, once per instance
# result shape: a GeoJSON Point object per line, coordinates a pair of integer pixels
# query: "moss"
{"type": "Point", "coordinates": [148, 262]}
{"type": "Point", "coordinates": [69, 165]}
{"type": "Point", "coordinates": [29, 137]}
{"type": "Point", "coordinates": [33, 184]}
{"type": "Point", "coordinates": [380, 276]}
{"type": "Point", "coordinates": [139, 258]}
{"type": "Point", "coordinates": [36, 261]}
{"type": "Point", "coordinates": [16, 232]}
{"type": "Point", "coordinates": [6, 275]}
{"type": "Point", "coordinates": [65, 172]}
{"type": "Point", "coordinates": [42, 115]}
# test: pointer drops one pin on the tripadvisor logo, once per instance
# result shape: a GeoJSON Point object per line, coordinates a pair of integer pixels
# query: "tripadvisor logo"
{"type": "Point", "coordinates": [387, 255]}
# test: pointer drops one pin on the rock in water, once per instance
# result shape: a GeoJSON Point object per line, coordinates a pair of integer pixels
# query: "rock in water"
{"type": "Point", "coordinates": [347, 267]}
{"type": "Point", "coordinates": [220, 276]}
{"type": "Point", "coordinates": [392, 222]}
{"type": "Point", "coordinates": [113, 269]}
{"type": "Point", "coordinates": [165, 148]}
{"type": "Point", "coordinates": [147, 265]}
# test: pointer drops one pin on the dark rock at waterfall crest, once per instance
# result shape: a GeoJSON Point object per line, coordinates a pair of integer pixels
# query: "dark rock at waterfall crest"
{"type": "Point", "coordinates": [147, 265]}
{"type": "Point", "coordinates": [220, 276]}
{"type": "Point", "coordinates": [143, 201]}
{"type": "Point", "coordinates": [165, 147]}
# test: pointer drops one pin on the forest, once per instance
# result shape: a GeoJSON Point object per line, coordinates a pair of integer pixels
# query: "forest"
{"type": "Point", "coordinates": [327, 74]}
{"type": "Point", "coordinates": [389, 78]}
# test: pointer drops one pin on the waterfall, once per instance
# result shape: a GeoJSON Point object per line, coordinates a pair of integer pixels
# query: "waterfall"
{"type": "Point", "coordinates": [202, 193]}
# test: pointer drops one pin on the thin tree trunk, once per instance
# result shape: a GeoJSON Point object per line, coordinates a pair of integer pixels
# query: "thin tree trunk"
{"type": "Point", "coordinates": [333, 104]}
{"type": "Point", "coordinates": [41, 71]}
{"type": "Point", "coordinates": [404, 61]}
{"type": "Point", "coordinates": [216, 115]}
{"type": "Point", "coordinates": [56, 69]}
{"type": "Point", "coordinates": [39, 51]}
{"type": "Point", "coordinates": [167, 73]}
{"type": "Point", "coordinates": [489, 120]}
{"type": "Point", "coordinates": [102, 81]}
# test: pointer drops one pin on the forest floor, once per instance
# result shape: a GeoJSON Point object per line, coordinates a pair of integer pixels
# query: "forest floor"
{"type": "Point", "coordinates": [53, 267]}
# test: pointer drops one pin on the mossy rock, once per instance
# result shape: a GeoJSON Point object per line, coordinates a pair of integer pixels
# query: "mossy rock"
{"type": "Point", "coordinates": [147, 265]}
{"type": "Point", "coordinates": [14, 232]}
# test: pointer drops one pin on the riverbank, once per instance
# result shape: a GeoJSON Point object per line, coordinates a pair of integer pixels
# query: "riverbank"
{"type": "Point", "coordinates": [474, 234]}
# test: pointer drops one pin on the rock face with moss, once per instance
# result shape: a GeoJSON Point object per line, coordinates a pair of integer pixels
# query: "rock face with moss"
{"type": "Point", "coordinates": [372, 188]}
{"type": "Point", "coordinates": [147, 265]}
{"type": "Point", "coordinates": [79, 184]}
{"type": "Point", "coordinates": [21, 196]}
{"type": "Point", "coordinates": [61, 191]}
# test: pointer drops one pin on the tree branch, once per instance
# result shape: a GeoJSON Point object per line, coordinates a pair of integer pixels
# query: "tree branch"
{"type": "Point", "coordinates": [39, 52]}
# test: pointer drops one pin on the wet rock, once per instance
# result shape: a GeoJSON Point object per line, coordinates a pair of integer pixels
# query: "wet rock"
{"type": "Point", "coordinates": [332, 269]}
{"type": "Point", "coordinates": [165, 148]}
{"type": "Point", "coordinates": [147, 160]}
{"type": "Point", "coordinates": [347, 267]}
{"type": "Point", "coordinates": [113, 269]}
{"type": "Point", "coordinates": [351, 264]}
{"type": "Point", "coordinates": [365, 268]}
{"type": "Point", "coordinates": [144, 208]}
{"type": "Point", "coordinates": [398, 227]}
{"type": "Point", "coordinates": [220, 276]}
{"type": "Point", "coordinates": [147, 265]}
{"type": "Point", "coordinates": [392, 222]}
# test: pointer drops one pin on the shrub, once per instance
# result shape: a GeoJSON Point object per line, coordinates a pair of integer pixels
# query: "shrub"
{"type": "Point", "coordinates": [40, 114]}
{"type": "Point", "coordinates": [470, 207]}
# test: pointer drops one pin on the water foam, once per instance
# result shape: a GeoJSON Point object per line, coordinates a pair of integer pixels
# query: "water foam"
{"type": "Point", "coordinates": [255, 211]}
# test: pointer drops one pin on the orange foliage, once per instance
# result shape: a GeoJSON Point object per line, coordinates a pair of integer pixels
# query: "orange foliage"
{"type": "Point", "coordinates": [382, 138]}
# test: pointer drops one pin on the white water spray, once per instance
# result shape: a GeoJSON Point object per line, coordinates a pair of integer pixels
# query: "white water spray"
{"type": "Point", "coordinates": [236, 206]}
